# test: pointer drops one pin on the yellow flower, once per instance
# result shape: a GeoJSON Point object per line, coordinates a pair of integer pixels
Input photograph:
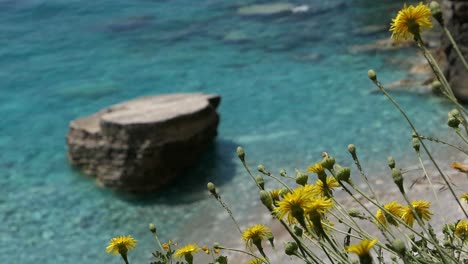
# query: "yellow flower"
{"type": "Point", "coordinates": [121, 245]}
{"type": "Point", "coordinates": [187, 251]}
{"type": "Point", "coordinates": [409, 20]}
{"type": "Point", "coordinates": [422, 209]}
{"type": "Point", "coordinates": [255, 261]}
{"type": "Point", "coordinates": [255, 234]}
{"type": "Point", "coordinates": [461, 230]}
{"type": "Point", "coordinates": [319, 189]}
{"type": "Point", "coordinates": [205, 249]}
{"type": "Point", "coordinates": [316, 168]}
{"type": "Point", "coordinates": [166, 246]}
{"type": "Point", "coordinates": [319, 206]}
{"type": "Point", "coordinates": [362, 248]}
{"type": "Point", "coordinates": [464, 197]}
{"type": "Point", "coordinates": [295, 203]}
{"type": "Point", "coordinates": [395, 210]}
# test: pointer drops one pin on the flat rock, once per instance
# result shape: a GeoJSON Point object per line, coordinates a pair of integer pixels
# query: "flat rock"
{"type": "Point", "coordinates": [143, 144]}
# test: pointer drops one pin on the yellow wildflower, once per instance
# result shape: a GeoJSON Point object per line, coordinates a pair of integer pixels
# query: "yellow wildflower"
{"type": "Point", "coordinates": [255, 235]}
{"type": "Point", "coordinates": [362, 248]}
{"type": "Point", "coordinates": [409, 20]}
{"type": "Point", "coordinates": [461, 230]}
{"type": "Point", "coordinates": [422, 209]}
{"type": "Point", "coordinates": [395, 210]}
{"type": "Point", "coordinates": [464, 197]}
{"type": "Point", "coordinates": [316, 168]}
{"type": "Point", "coordinates": [255, 261]}
{"type": "Point", "coordinates": [121, 245]}
{"type": "Point", "coordinates": [205, 249]}
{"type": "Point", "coordinates": [319, 206]}
{"type": "Point", "coordinates": [187, 251]}
{"type": "Point", "coordinates": [166, 246]}
{"type": "Point", "coordinates": [275, 195]}
{"type": "Point", "coordinates": [319, 189]}
{"type": "Point", "coordinates": [295, 203]}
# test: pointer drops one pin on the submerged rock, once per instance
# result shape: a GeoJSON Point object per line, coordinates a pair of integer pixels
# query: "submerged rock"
{"type": "Point", "coordinates": [143, 144]}
{"type": "Point", "coordinates": [266, 9]}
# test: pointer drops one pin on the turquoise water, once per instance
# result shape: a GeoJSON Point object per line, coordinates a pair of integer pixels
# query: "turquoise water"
{"type": "Point", "coordinates": [290, 89]}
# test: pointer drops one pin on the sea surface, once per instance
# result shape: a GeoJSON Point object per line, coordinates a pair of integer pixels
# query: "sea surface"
{"type": "Point", "coordinates": [290, 87]}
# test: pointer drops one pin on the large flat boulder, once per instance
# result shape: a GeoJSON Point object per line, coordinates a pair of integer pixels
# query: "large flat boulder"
{"type": "Point", "coordinates": [143, 144]}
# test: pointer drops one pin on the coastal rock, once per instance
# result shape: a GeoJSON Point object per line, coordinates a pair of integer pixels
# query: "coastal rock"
{"type": "Point", "coordinates": [142, 144]}
{"type": "Point", "coordinates": [456, 20]}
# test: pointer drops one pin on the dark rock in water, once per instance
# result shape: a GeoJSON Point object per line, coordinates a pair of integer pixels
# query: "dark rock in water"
{"type": "Point", "coordinates": [456, 19]}
{"type": "Point", "coordinates": [143, 144]}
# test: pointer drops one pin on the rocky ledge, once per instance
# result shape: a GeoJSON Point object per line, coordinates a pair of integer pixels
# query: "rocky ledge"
{"type": "Point", "coordinates": [143, 144]}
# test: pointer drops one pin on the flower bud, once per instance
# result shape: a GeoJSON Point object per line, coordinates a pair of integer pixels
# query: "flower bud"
{"type": "Point", "coordinates": [266, 199]}
{"type": "Point", "coordinates": [391, 162]}
{"type": "Point", "coordinates": [216, 245]}
{"type": "Point", "coordinates": [262, 169]}
{"type": "Point", "coordinates": [416, 144]}
{"type": "Point", "coordinates": [353, 212]}
{"type": "Point", "coordinates": [260, 181]}
{"type": "Point", "coordinates": [399, 246]}
{"type": "Point", "coordinates": [152, 228]}
{"type": "Point", "coordinates": [283, 173]}
{"type": "Point", "coordinates": [371, 74]}
{"type": "Point", "coordinates": [352, 149]}
{"type": "Point", "coordinates": [212, 189]}
{"type": "Point", "coordinates": [343, 174]}
{"type": "Point", "coordinates": [241, 153]}
{"type": "Point", "coordinates": [453, 122]}
{"type": "Point", "coordinates": [436, 12]}
{"type": "Point", "coordinates": [271, 239]}
{"type": "Point", "coordinates": [298, 231]}
{"type": "Point", "coordinates": [436, 87]}
{"type": "Point", "coordinates": [328, 162]}
{"type": "Point", "coordinates": [398, 179]}
{"type": "Point", "coordinates": [291, 248]}
{"type": "Point", "coordinates": [301, 178]}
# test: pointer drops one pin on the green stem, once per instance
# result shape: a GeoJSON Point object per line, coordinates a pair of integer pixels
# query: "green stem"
{"type": "Point", "coordinates": [443, 142]}
{"type": "Point", "coordinates": [248, 253]}
{"type": "Point", "coordinates": [380, 86]}
{"type": "Point", "coordinates": [455, 46]}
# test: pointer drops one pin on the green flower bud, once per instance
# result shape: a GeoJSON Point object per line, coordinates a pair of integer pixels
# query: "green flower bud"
{"type": "Point", "coordinates": [352, 149]}
{"type": "Point", "coordinates": [353, 212]}
{"type": "Point", "coordinates": [283, 173]}
{"type": "Point", "coordinates": [291, 248]}
{"type": "Point", "coordinates": [298, 231]}
{"type": "Point", "coordinates": [416, 144]}
{"type": "Point", "coordinates": [262, 169]}
{"type": "Point", "coordinates": [271, 239]}
{"type": "Point", "coordinates": [436, 12]}
{"type": "Point", "coordinates": [447, 244]}
{"type": "Point", "coordinates": [328, 162]}
{"type": "Point", "coordinates": [266, 199]}
{"type": "Point", "coordinates": [371, 74]}
{"type": "Point", "coordinates": [152, 228]}
{"type": "Point", "coordinates": [212, 189]}
{"type": "Point", "coordinates": [301, 178]}
{"type": "Point", "coordinates": [453, 122]}
{"type": "Point", "coordinates": [343, 174]}
{"type": "Point", "coordinates": [398, 179]}
{"type": "Point", "coordinates": [284, 191]}
{"type": "Point", "coordinates": [436, 87]}
{"type": "Point", "coordinates": [399, 246]}
{"type": "Point", "coordinates": [391, 162]}
{"type": "Point", "coordinates": [216, 245]}
{"type": "Point", "coordinates": [241, 153]}
{"type": "Point", "coordinates": [260, 181]}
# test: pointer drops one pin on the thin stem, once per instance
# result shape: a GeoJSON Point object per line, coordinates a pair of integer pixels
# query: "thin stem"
{"type": "Point", "coordinates": [248, 253]}
{"type": "Point", "coordinates": [455, 46]}
{"type": "Point", "coordinates": [443, 142]}
{"type": "Point", "coordinates": [380, 86]}
{"type": "Point", "coordinates": [457, 130]}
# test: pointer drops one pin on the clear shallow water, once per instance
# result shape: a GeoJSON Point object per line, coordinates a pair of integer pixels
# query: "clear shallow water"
{"type": "Point", "coordinates": [290, 90]}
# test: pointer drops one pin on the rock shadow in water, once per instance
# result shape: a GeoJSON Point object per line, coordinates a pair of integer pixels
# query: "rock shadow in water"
{"type": "Point", "coordinates": [217, 164]}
